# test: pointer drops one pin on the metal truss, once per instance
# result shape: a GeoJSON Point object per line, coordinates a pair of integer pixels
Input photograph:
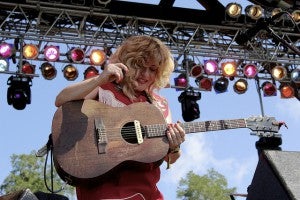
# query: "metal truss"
{"type": "Point", "coordinates": [96, 28]}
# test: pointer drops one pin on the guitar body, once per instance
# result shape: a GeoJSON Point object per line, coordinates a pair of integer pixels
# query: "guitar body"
{"type": "Point", "coordinates": [91, 139]}
{"type": "Point", "coordinates": [84, 153]}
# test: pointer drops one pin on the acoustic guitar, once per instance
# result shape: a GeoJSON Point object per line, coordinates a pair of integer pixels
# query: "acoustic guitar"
{"type": "Point", "coordinates": [91, 139]}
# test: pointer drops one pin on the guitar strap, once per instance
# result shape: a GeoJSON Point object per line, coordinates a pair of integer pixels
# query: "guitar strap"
{"type": "Point", "coordinates": [148, 97]}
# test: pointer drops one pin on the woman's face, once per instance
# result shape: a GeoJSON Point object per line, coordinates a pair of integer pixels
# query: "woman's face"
{"type": "Point", "coordinates": [145, 76]}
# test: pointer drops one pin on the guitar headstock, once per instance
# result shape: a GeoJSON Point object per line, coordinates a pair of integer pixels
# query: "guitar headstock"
{"type": "Point", "coordinates": [263, 126]}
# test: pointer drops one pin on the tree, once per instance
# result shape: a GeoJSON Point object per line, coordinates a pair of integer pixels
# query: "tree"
{"type": "Point", "coordinates": [212, 186]}
{"type": "Point", "coordinates": [28, 172]}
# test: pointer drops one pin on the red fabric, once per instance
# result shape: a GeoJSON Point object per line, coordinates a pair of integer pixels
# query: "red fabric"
{"type": "Point", "coordinates": [129, 184]}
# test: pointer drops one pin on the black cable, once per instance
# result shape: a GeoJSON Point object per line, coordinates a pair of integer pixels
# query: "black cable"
{"type": "Point", "coordinates": [49, 149]}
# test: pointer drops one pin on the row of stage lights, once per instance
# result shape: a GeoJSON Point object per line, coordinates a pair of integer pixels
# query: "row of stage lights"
{"type": "Point", "coordinates": [256, 12]}
{"type": "Point", "coordinates": [51, 53]}
{"type": "Point", "coordinates": [289, 79]}
{"type": "Point", "coordinates": [19, 93]}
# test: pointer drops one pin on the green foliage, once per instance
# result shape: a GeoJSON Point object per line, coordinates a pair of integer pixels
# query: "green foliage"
{"type": "Point", "coordinates": [28, 172]}
{"type": "Point", "coordinates": [211, 186]}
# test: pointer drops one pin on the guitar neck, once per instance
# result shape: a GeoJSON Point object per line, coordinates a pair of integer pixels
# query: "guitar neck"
{"type": "Point", "coordinates": [158, 130]}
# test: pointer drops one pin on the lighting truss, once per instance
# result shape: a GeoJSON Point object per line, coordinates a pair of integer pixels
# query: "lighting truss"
{"type": "Point", "coordinates": [90, 28]}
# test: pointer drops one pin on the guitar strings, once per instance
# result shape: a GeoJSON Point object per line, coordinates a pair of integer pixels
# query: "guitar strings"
{"type": "Point", "coordinates": [128, 132]}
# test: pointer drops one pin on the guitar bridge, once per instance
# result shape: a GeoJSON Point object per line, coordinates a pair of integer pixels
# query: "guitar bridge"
{"type": "Point", "coordinates": [138, 132]}
{"type": "Point", "coordinates": [100, 136]}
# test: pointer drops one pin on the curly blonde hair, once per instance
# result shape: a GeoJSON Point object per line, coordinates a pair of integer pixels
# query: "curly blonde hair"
{"type": "Point", "coordinates": [134, 52]}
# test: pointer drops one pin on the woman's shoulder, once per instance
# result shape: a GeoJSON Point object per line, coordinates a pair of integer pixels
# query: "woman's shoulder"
{"type": "Point", "coordinates": [162, 103]}
{"type": "Point", "coordinates": [159, 99]}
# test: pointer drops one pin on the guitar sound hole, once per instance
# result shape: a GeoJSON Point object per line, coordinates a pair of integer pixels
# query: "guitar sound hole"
{"type": "Point", "coordinates": [128, 133]}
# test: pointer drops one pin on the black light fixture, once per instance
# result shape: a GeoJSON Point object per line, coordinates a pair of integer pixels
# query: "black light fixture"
{"type": "Point", "coordinates": [254, 12]}
{"type": "Point", "coordinates": [76, 55]}
{"type": "Point", "coordinates": [221, 85]}
{"type": "Point", "coordinates": [70, 72]}
{"type": "Point", "coordinates": [204, 83]}
{"type": "Point", "coordinates": [27, 68]}
{"type": "Point", "coordinates": [18, 92]}
{"type": "Point", "coordinates": [91, 71]}
{"type": "Point", "coordinates": [240, 86]}
{"type": "Point", "coordinates": [269, 89]}
{"type": "Point", "coordinates": [4, 64]}
{"type": "Point", "coordinates": [296, 16]}
{"type": "Point", "coordinates": [189, 106]}
{"type": "Point", "coordinates": [181, 81]}
{"type": "Point", "coordinates": [286, 90]}
{"type": "Point", "coordinates": [233, 10]}
{"type": "Point", "coordinates": [48, 71]}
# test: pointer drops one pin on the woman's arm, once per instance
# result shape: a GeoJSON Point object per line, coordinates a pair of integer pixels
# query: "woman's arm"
{"type": "Point", "coordinates": [78, 90]}
{"type": "Point", "coordinates": [88, 89]}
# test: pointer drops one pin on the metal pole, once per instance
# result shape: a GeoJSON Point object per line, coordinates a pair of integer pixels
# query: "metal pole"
{"type": "Point", "coordinates": [260, 97]}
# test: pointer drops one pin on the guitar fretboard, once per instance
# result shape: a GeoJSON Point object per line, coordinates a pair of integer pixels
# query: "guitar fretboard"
{"type": "Point", "coordinates": [158, 130]}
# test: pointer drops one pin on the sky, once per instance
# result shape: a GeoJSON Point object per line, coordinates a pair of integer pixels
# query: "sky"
{"type": "Point", "coordinates": [230, 152]}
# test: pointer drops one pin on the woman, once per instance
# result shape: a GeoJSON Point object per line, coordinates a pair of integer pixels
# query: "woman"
{"type": "Point", "coordinates": [138, 68]}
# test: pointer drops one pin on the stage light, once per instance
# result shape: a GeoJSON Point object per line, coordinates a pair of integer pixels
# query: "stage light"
{"type": "Point", "coordinates": [70, 72]}
{"type": "Point", "coordinates": [229, 69]}
{"type": "Point", "coordinates": [190, 108]}
{"type": "Point", "coordinates": [204, 83]}
{"type": "Point", "coordinates": [269, 89]}
{"type": "Point", "coordinates": [276, 11]}
{"type": "Point", "coordinates": [18, 92]}
{"type": "Point", "coordinates": [48, 71]}
{"type": "Point", "coordinates": [97, 57]}
{"type": "Point", "coordinates": [30, 51]}
{"type": "Point", "coordinates": [221, 85]}
{"type": "Point", "coordinates": [286, 91]}
{"type": "Point", "coordinates": [27, 68]}
{"type": "Point", "coordinates": [250, 70]}
{"type": "Point", "coordinates": [3, 65]}
{"type": "Point", "coordinates": [100, 3]}
{"type": "Point", "coordinates": [296, 16]}
{"type": "Point", "coordinates": [234, 10]}
{"type": "Point", "coordinates": [76, 55]}
{"type": "Point", "coordinates": [196, 71]}
{"type": "Point", "coordinates": [240, 86]}
{"type": "Point", "coordinates": [181, 81]}
{"type": "Point", "coordinates": [295, 75]}
{"type": "Point", "coordinates": [211, 67]}
{"type": "Point", "coordinates": [187, 64]}
{"type": "Point", "coordinates": [51, 53]}
{"type": "Point", "coordinates": [255, 12]}
{"type": "Point", "coordinates": [91, 71]}
{"type": "Point", "coordinates": [6, 50]}
{"type": "Point", "coordinates": [279, 72]}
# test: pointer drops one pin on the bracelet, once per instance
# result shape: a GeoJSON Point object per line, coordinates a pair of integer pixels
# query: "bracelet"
{"type": "Point", "coordinates": [175, 150]}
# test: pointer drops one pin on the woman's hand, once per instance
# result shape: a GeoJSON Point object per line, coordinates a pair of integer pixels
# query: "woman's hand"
{"type": "Point", "coordinates": [114, 72]}
{"type": "Point", "coordinates": [175, 135]}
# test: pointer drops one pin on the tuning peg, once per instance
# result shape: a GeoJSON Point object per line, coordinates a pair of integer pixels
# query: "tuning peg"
{"type": "Point", "coordinates": [265, 134]}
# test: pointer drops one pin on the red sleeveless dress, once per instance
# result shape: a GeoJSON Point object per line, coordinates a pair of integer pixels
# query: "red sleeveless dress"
{"type": "Point", "coordinates": [125, 183]}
